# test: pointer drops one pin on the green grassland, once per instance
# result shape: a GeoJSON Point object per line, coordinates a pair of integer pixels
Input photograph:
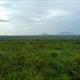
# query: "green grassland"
{"type": "Point", "coordinates": [40, 59]}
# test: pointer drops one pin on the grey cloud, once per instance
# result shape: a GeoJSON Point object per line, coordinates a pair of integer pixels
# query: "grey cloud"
{"type": "Point", "coordinates": [28, 16]}
{"type": "Point", "coordinates": [1, 20]}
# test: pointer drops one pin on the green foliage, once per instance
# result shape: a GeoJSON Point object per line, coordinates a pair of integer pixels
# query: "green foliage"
{"type": "Point", "coordinates": [74, 70]}
{"type": "Point", "coordinates": [40, 60]}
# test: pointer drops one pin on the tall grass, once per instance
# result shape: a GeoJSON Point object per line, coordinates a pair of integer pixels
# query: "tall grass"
{"type": "Point", "coordinates": [40, 60]}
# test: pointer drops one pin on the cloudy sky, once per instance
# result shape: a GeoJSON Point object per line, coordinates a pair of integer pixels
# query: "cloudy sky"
{"type": "Point", "coordinates": [33, 17]}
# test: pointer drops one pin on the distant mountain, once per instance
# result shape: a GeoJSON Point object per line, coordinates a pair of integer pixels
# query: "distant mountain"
{"type": "Point", "coordinates": [66, 33]}
{"type": "Point", "coordinates": [44, 34]}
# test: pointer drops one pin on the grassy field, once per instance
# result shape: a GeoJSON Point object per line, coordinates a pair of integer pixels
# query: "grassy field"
{"type": "Point", "coordinates": [40, 60]}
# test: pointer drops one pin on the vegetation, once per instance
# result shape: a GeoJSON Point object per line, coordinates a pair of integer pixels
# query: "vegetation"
{"type": "Point", "coordinates": [40, 60]}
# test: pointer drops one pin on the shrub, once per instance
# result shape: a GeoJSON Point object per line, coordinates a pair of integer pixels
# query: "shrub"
{"type": "Point", "coordinates": [74, 70]}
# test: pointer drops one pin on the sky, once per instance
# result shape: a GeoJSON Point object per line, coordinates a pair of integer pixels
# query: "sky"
{"type": "Point", "coordinates": [35, 17]}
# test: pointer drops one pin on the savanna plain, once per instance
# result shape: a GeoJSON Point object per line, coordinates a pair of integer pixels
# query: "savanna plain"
{"type": "Point", "coordinates": [40, 59]}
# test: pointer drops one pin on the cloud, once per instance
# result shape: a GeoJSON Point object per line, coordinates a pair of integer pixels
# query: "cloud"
{"type": "Point", "coordinates": [2, 20]}
{"type": "Point", "coordinates": [40, 16]}
{"type": "Point", "coordinates": [4, 13]}
{"type": "Point", "coordinates": [3, 2]}
{"type": "Point", "coordinates": [3, 16]}
{"type": "Point", "coordinates": [55, 14]}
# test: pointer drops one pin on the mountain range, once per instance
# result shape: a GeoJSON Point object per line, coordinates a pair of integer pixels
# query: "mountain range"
{"type": "Point", "coordinates": [66, 33]}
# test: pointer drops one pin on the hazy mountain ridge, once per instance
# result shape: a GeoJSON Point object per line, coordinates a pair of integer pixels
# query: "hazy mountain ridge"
{"type": "Point", "coordinates": [66, 33]}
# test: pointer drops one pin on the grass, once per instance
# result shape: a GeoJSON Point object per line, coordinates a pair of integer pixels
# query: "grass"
{"type": "Point", "coordinates": [40, 60]}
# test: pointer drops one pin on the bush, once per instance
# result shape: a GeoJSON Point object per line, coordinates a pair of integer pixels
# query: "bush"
{"type": "Point", "coordinates": [74, 70]}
